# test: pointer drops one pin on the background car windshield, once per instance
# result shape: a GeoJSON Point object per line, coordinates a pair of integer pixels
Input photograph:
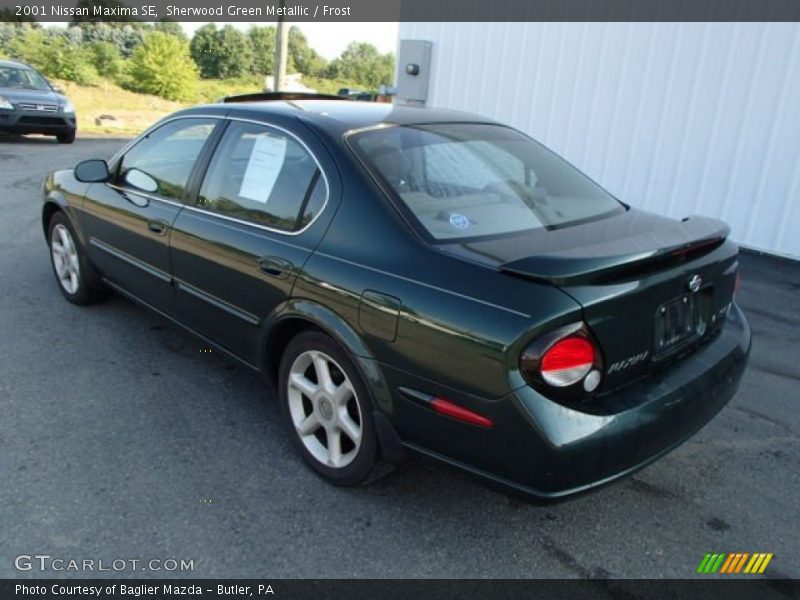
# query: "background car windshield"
{"type": "Point", "coordinates": [24, 79]}
{"type": "Point", "coordinates": [472, 180]}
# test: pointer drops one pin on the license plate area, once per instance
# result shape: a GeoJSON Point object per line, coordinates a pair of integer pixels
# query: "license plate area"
{"type": "Point", "coordinates": [676, 324]}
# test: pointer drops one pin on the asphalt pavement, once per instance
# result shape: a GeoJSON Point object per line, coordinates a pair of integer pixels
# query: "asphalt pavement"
{"type": "Point", "coordinates": [120, 439]}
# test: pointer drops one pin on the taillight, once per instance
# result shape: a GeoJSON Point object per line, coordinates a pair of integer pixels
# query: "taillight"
{"type": "Point", "coordinates": [736, 283]}
{"type": "Point", "coordinates": [565, 361]}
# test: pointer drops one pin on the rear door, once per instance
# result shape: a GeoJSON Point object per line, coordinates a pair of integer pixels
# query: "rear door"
{"type": "Point", "coordinates": [128, 220]}
{"type": "Point", "coordinates": [237, 250]}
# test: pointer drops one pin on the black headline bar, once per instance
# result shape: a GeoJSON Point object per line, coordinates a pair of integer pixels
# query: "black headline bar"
{"type": "Point", "coordinates": [401, 10]}
{"type": "Point", "coordinates": [388, 589]}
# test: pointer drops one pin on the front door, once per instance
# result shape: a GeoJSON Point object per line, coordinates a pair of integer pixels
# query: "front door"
{"type": "Point", "coordinates": [128, 220]}
{"type": "Point", "coordinates": [237, 251]}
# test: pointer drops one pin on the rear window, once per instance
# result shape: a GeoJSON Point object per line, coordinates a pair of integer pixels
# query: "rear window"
{"type": "Point", "coordinates": [473, 180]}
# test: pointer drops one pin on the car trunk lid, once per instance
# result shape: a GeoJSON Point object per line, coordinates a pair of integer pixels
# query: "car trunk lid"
{"type": "Point", "coordinates": [651, 288]}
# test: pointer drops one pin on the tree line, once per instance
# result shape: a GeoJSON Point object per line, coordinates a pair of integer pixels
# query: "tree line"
{"type": "Point", "coordinates": [159, 58]}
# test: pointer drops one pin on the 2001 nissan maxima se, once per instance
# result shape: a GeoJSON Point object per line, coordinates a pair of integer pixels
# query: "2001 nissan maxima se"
{"type": "Point", "coordinates": [415, 279]}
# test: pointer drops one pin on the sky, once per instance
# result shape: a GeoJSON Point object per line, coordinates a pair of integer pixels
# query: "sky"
{"type": "Point", "coordinates": [329, 39]}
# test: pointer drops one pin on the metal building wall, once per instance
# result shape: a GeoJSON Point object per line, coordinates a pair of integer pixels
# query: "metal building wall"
{"type": "Point", "coordinates": [677, 118]}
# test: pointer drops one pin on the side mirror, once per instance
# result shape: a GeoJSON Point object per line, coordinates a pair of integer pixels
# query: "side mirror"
{"type": "Point", "coordinates": [91, 171]}
{"type": "Point", "coordinates": [141, 181]}
{"type": "Point", "coordinates": [58, 89]}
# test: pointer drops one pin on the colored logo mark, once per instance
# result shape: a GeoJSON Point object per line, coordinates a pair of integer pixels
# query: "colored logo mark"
{"type": "Point", "coordinates": [736, 562]}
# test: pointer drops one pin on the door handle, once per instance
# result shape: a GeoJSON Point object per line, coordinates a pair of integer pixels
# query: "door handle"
{"type": "Point", "coordinates": [158, 227]}
{"type": "Point", "coordinates": [275, 267]}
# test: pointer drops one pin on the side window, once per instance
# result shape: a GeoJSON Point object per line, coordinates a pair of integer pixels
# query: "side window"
{"type": "Point", "coordinates": [262, 175]}
{"type": "Point", "coordinates": [161, 162]}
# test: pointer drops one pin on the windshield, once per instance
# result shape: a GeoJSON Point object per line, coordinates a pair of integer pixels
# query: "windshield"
{"type": "Point", "coordinates": [464, 180]}
{"type": "Point", "coordinates": [21, 78]}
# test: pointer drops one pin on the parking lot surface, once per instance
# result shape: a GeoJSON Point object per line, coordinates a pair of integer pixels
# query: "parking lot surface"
{"type": "Point", "coordinates": [121, 439]}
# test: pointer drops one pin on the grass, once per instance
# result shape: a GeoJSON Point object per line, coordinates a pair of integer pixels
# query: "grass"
{"type": "Point", "coordinates": [135, 112]}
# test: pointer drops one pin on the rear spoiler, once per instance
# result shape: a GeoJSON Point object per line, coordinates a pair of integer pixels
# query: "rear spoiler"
{"type": "Point", "coordinates": [277, 96]}
{"type": "Point", "coordinates": [610, 261]}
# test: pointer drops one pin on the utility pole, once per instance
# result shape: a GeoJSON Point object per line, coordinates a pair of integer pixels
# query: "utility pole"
{"type": "Point", "coordinates": [281, 49]}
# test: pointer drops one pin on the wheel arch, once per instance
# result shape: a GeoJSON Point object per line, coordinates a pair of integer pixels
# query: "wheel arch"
{"type": "Point", "coordinates": [55, 203]}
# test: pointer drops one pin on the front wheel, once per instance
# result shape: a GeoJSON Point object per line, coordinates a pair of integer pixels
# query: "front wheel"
{"type": "Point", "coordinates": [327, 408]}
{"type": "Point", "coordinates": [66, 138]}
{"type": "Point", "coordinates": [76, 277]}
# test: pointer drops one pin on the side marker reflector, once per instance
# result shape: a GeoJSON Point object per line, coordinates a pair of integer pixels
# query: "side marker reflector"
{"type": "Point", "coordinates": [445, 407]}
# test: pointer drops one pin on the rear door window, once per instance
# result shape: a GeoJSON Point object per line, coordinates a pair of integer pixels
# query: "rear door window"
{"type": "Point", "coordinates": [262, 175]}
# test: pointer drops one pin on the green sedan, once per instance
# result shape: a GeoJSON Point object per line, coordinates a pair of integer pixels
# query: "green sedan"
{"type": "Point", "coordinates": [414, 280]}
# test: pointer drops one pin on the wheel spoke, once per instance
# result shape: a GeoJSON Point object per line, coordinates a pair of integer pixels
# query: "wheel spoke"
{"type": "Point", "coordinates": [309, 425]}
{"type": "Point", "coordinates": [322, 368]}
{"type": "Point", "coordinates": [73, 282]}
{"type": "Point", "coordinates": [349, 428]}
{"type": "Point", "coordinates": [303, 385]}
{"type": "Point", "coordinates": [65, 241]}
{"type": "Point", "coordinates": [334, 446]}
{"type": "Point", "coordinates": [343, 393]}
{"type": "Point", "coordinates": [58, 262]}
{"type": "Point", "coordinates": [58, 248]}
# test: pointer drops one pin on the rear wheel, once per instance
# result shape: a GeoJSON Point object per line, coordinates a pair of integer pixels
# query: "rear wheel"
{"type": "Point", "coordinates": [76, 277]}
{"type": "Point", "coordinates": [326, 406]}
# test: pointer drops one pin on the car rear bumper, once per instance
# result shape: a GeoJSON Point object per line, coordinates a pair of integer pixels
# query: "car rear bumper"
{"type": "Point", "coordinates": [32, 122]}
{"type": "Point", "coordinates": [549, 452]}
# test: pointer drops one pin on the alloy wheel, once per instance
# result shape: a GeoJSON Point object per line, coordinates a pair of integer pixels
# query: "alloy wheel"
{"type": "Point", "coordinates": [65, 259]}
{"type": "Point", "coordinates": [324, 409]}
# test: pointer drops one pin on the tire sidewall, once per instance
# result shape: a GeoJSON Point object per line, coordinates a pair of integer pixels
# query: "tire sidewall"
{"type": "Point", "coordinates": [358, 470]}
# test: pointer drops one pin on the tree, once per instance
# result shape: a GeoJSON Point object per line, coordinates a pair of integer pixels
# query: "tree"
{"type": "Point", "coordinates": [204, 50]}
{"type": "Point", "coordinates": [234, 53]}
{"type": "Point", "coordinates": [362, 63]}
{"type": "Point", "coordinates": [125, 36]}
{"type": "Point", "coordinates": [223, 53]}
{"type": "Point", "coordinates": [51, 52]}
{"type": "Point", "coordinates": [162, 66]}
{"type": "Point", "coordinates": [107, 59]}
{"type": "Point", "coordinates": [262, 41]}
{"type": "Point", "coordinates": [304, 58]}
{"type": "Point", "coordinates": [172, 28]}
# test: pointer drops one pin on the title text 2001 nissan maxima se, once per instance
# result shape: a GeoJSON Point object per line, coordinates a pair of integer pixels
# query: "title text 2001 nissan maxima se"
{"type": "Point", "coordinates": [415, 279]}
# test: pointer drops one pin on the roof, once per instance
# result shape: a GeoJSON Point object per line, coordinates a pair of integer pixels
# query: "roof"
{"type": "Point", "coordinates": [341, 116]}
{"type": "Point", "coordinates": [13, 63]}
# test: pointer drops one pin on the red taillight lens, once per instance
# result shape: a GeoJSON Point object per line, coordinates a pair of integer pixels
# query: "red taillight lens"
{"type": "Point", "coordinates": [567, 361]}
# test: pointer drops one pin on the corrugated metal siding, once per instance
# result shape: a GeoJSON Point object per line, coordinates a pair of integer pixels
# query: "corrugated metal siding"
{"type": "Point", "coordinates": [677, 118]}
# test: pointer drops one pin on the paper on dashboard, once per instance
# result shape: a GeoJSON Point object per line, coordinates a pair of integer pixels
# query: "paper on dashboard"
{"type": "Point", "coordinates": [266, 162]}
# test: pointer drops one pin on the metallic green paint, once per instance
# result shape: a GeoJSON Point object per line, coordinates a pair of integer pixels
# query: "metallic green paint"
{"type": "Point", "coordinates": [443, 320]}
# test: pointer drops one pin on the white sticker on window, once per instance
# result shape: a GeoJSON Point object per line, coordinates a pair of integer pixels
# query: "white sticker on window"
{"type": "Point", "coordinates": [266, 162]}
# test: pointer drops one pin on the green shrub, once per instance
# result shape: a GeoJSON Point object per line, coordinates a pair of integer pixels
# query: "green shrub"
{"type": "Point", "coordinates": [161, 65]}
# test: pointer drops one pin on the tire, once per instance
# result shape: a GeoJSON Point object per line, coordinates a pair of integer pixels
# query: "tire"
{"type": "Point", "coordinates": [343, 411]}
{"type": "Point", "coordinates": [75, 276]}
{"type": "Point", "coordinates": [66, 138]}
